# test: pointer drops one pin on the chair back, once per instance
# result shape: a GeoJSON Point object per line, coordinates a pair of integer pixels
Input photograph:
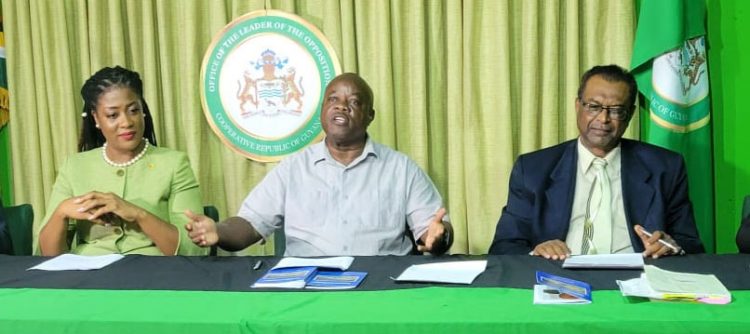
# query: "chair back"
{"type": "Point", "coordinates": [20, 220]}
{"type": "Point", "coordinates": [279, 242]}
{"type": "Point", "coordinates": [210, 211]}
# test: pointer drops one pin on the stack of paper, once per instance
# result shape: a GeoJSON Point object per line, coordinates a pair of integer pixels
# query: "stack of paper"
{"type": "Point", "coordinates": [297, 273]}
{"type": "Point", "coordinates": [340, 262]}
{"type": "Point", "coordinates": [459, 272]}
{"type": "Point", "coordinates": [661, 284]}
{"type": "Point", "coordinates": [605, 261]}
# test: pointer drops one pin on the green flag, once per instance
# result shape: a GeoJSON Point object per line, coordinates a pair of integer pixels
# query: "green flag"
{"type": "Point", "coordinates": [670, 65]}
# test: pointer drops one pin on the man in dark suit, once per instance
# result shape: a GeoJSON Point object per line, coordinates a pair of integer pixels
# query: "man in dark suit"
{"type": "Point", "coordinates": [562, 202]}
{"type": "Point", "coordinates": [743, 236]}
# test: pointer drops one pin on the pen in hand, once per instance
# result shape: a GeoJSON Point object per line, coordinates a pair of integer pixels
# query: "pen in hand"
{"type": "Point", "coordinates": [674, 249]}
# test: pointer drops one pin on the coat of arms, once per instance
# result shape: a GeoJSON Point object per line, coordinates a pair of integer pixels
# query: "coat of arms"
{"type": "Point", "coordinates": [268, 87]}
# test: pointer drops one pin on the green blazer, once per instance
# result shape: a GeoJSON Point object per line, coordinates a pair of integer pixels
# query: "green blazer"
{"type": "Point", "coordinates": [161, 182]}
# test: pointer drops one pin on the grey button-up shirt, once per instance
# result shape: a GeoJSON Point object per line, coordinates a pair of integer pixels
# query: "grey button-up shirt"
{"type": "Point", "coordinates": [326, 208]}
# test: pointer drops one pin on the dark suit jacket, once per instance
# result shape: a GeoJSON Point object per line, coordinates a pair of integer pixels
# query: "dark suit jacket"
{"type": "Point", "coordinates": [743, 236]}
{"type": "Point", "coordinates": [5, 245]}
{"type": "Point", "coordinates": [542, 184]}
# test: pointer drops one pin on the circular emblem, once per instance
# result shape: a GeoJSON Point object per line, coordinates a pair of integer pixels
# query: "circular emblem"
{"type": "Point", "coordinates": [263, 79]}
{"type": "Point", "coordinates": [680, 79]}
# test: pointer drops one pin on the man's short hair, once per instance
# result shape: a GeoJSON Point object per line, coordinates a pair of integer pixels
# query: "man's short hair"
{"type": "Point", "coordinates": [611, 73]}
{"type": "Point", "coordinates": [368, 97]}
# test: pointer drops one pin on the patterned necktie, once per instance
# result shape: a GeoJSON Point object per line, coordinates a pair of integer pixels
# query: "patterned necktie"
{"type": "Point", "coordinates": [597, 228]}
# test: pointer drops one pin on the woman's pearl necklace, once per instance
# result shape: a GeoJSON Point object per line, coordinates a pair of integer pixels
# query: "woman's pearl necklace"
{"type": "Point", "coordinates": [126, 163]}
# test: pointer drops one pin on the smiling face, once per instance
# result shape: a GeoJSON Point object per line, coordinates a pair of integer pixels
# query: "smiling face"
{"type": "Point", "coordinates": [119, 116]}
{"type": "Point", "coordinates": [347, 110]}
{"type": "Point", "coordinates": [600, 133]}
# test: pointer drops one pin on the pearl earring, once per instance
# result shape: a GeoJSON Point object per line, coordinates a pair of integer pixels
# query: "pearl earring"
{"type": "Point", "coordinates": [96, 125]}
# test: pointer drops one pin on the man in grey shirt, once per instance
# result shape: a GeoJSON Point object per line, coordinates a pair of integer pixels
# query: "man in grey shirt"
{"type": "Point", "coordinates": [346, 195]}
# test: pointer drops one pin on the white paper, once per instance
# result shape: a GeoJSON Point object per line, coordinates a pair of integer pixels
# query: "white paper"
{"type": "Point", "coordinates": [674, 282]}
{"type": "Point", "coordinates": [299, 284]}
{"type": "Point", "coordinates": [661, 284]}
{"type": "Point", "coordinates": [608, 261]}
{"type": "Point", "coordinates": [77, 262]}
{"type": "Point", "coordinates": [459, 272]}
{"type": "Point", "coordinates": [637, 287]}
{"type": "Point", "coordinates": [341, 262]}
{"type": "Point", "coordinates": [541, 296]}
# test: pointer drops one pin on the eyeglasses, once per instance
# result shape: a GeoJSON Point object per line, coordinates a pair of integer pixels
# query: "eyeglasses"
{"type": "Point", "coordinates": [619, 113]}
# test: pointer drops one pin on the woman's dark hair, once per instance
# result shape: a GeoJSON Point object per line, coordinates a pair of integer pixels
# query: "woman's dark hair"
{"type": "Point", "coordinates": [93, 88]}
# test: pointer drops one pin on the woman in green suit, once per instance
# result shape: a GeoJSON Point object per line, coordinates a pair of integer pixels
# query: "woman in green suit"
{"type": "Point", "coordinates": [125, 194]}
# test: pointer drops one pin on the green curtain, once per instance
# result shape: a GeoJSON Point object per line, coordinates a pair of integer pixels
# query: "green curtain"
{"type": "Point", "coordinates": [462, 87]}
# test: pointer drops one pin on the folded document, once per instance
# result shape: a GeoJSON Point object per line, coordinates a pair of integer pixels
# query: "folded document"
{"type": "Point", "coordinates": [286, 278]}
{"type": "Point", "coordinates": [546, 295]}
{"type": "Point", "coordinates": [336, 280]}
{"type": "Point", "coordinates": [553, 289]}
{"type": "Point", "coordinates": [298, 273]}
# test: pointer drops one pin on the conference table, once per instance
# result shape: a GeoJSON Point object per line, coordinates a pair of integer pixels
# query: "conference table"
{"type": "Point", "coordinates": [142, 294]}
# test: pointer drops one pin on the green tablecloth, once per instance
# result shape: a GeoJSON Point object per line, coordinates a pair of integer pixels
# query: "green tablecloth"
{"type": "Point", "coordinates": [421, 310]}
